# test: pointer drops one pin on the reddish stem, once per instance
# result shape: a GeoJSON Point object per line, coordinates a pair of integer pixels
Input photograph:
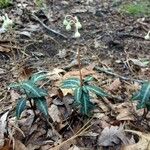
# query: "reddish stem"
{"type": "Point", "coordinates": [79, 64]}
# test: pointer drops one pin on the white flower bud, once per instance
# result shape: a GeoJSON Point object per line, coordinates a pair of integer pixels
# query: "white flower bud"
{"type": "Point", "coordinates": [77, 34]}
{"type": "Point", "coordinates": [7, 22]}
{"type": "Point", "coordinates": [78, 25]}
{"type": "Point", "coordinates": [65, 22]}
{"type": "Point", "coordinates": [68, 27]}
{"type": "Point", "coordinates": [147, 37]}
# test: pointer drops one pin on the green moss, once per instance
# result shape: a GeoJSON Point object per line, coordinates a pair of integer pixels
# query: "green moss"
{"type": "Point", "coordinates": [138, 8]}
{"type": "Point", "coordinates": [4, 3]}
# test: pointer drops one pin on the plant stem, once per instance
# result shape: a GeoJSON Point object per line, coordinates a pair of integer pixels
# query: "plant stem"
{"type": "Point", "coordinates": [79, 64]}
{"type": "Point", "coordinates": [32, 107]}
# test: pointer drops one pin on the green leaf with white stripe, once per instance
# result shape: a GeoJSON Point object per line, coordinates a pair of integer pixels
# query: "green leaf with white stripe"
{"type": "Point", "coordinates": [21, 106]}
{"type": "Point", "coordinates": [38, 76]}
{"type": "Point", "coordinates": [70, 83]}
{"type": "Point", "coordinates": [78, 95]}
{"type": "Point", "coordinates": [41, 105]}
{"type": "Point", "coordinates": [32, 90]}
{"type": "Point", "coordinates": [88, 79]}
{"type": "Point", "coordinates": [15, 85]}
{"type": "Point", "coordinates": [98, 91]}
{"type": "Point", "coordinates": [86, 105]}
{"type": "Point", "coordinates": [143, 96]}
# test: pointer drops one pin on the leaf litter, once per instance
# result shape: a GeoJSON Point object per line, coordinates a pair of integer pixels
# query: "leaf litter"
{"type": "Point", "coordinates": [24, 51]}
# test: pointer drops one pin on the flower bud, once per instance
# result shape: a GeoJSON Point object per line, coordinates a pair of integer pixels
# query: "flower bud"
{"type": "Point", "coordinates": [7, 22]}
{"type": "Point", "coordinates": [65, 22]}
{"type": "Point", "coordinates": [77, 34]}
{"type": "Point", "coordinates": [78, 25]}
{"type": "Point", "coordinates": [68, 27]}
{"type": "Point", "coordinates": [147, 37]}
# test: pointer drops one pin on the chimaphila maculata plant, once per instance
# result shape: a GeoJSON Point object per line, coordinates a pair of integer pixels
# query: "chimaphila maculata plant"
{"type": "Point", "coordinates": [33, 93]}
{"type": "Point", "coordinates": [82, 89]}
{"type": "Point", "coordinates": [143, 97]}
{"type": "Point", "coordinates": [70, 21]}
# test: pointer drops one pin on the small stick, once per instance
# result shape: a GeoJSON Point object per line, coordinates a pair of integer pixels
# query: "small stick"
{"type": "Point", "coordinates": [47, 28]}
{"type": "Point", "coordinates": [117, 75]}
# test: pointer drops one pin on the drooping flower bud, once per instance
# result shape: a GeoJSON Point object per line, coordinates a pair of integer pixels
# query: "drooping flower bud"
{"type": "Point", "coordinates": [78, 25]}
{"type": "Point", "coordinates": [77, 34]}
{"type": "Point", "coordinates": [65, 22]}
{"type": "Point", "coordinates": [147, 36]}
{"type": "Point", "coordinates": [68, 27]}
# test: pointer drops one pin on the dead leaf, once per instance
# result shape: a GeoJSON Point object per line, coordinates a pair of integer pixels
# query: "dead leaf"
{"type": "Point", "coordinates": [55, 113]}
{"type": "Point", "coordinates": [3, 123]}
{"type": "Point", "coordinates": [3, 49]}
{"type": "Point", "coordinates": [111, 135]}
{"type": "Point", "coordinates": [143, 143]}
{"type": "Point", "coordinates": [19, 145]}
{"type": "Point", "coordinates": [14, 95]}
{"type": "Point", "coordinates": [139, 62]}
{"type": "Point", "coordinates": [85, 72]}
{"type": "Point", "coordinates": [114, 85]}
{"type": "Point", "coordinates": [74, 148]}
{"type": "Point", "coordinates": [55, 74]}
{"type": "Point", "coordinates": [124, 111]}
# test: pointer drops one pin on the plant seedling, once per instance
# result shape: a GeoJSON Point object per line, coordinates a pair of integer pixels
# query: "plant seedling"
{"type": "Point", "coordinates": [82, 90]}
{"type": "Point", "coordinates": [143, 97]}
{"type": "Point", "coordinates": [32, 92]}
{"type": "Point", "coordinates": [69, 21]}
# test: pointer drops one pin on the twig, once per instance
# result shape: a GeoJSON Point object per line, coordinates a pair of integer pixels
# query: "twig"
{"type": "Point", "coordinates": [79, 133]}
{"type": "Point", "coordinates": [117, 75]}
{"type": "Point", "coordinates": [125, 35]}
{"type": "Point", "coordinates": [47, 28]}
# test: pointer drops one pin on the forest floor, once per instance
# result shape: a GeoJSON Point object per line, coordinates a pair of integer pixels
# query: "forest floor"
{"type": "Point", "coordinates": [112, 49]}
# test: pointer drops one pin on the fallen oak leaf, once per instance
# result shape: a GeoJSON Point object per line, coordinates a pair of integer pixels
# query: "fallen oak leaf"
{"type": "Point", "coordinates": [142, 144]}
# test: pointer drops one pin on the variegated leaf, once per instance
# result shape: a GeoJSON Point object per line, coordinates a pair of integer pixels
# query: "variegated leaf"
{"type": "Point", "coordinates": [41, 105]}
{"type": "Point", "coordinates": [32, 90]}
{"type": "Point", "coordinates": [86, 105]}
{"type": "Point", "coordinates": [88, 79]}
{"type": "Point", "coordinates": [38, 76]}
{"type": "Point", "coordinates": [78, 95]}
{"type": "Point", "coordinates": [143, 96]}
{"type": "Point", "coordinates": [70, 83]}
{"type": "Point", "coordinates": [98, 91]}
{"type": "Point", "coordinates": [21, 105]}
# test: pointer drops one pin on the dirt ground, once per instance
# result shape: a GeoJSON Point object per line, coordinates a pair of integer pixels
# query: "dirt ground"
{"type": "Point", "coordinates": [109, 38]}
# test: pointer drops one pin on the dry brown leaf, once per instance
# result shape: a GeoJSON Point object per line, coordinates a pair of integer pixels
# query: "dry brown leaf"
{"type": "Point", "coordinates": [67, 91]}
{"type": "Point", "coordinates": [7, 146]}
{"type": "Point", "coordinates": [3, 124]}
{"type": "Point", "coordinates": [124, 111]}
{"type": "Point", "coordinates": [111, 135]}
{"type": "Point", "coordinates": [55, 74]}
{"type": "Point", "coordinates": [3, 49]}
{"type": "Point", "coordinates": [115, 85]}
{"type": "Point", "coordinates": [14, 95]}
{"type": "Point", "coordinates": [74, 148]}
{"type": "Point", "coordinates": [143, 143]}
{"type": "Point", "coordinates": [19, 145]}
{"type": "Point", "coordinates": [55, 113]}
{"type": "Point", "coordinates": [85, 72]}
